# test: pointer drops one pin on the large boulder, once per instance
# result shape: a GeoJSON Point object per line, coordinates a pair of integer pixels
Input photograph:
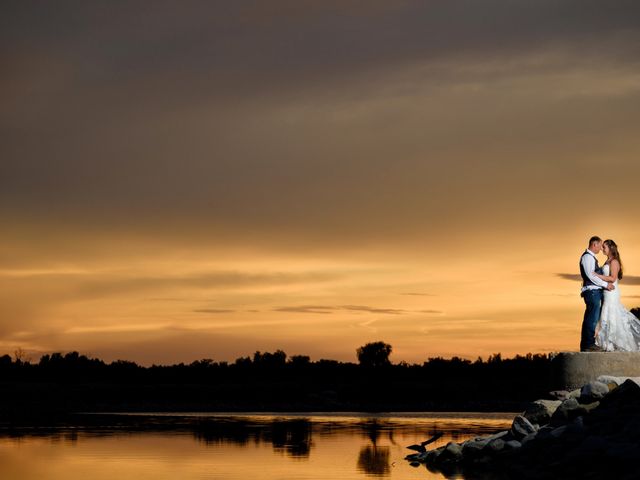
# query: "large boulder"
{"type": "Point", "coordinates": [495, 446]}
{"type": "Point", "coordinates": [433, 456]}
{"type": "Point", "coordinates": [540, 411]}
{"type": "Point", "coordinates": [512, 445]}
{"type": "Point", "coordinates": [452, 453]}
{"type": "Point", "coordinates": [521, 427]}
{"type": "Point", "coordinates": [593, 391]}
{"type": "Point", "coordinates": [566, 412]}
{"type": "Point", "coordinates": [625, 397]}
{"type": "Point", "coordinates": [472, 448]}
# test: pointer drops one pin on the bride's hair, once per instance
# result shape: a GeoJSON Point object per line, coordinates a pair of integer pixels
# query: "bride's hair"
{"type": "Point", "coordinates": [613, 248]}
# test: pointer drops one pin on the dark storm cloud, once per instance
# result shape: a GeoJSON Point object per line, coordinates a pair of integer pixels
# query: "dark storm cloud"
{"type": "Point", "coordinates": [247, 47]}
{"type": "Point", "coordinates": [122, 113]}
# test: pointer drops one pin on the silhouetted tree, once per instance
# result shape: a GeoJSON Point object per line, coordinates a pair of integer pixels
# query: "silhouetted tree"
{"type": "Point", "coordinates": [375, 354]}
{"type": "Point", "coordinates": [495, 358]}
{"type": "Point", "coordinates": [267, 359]}
{"type": "Point", "coordinates": [243, 362]}
{"type": "Point", "coordinates": [5, 361]}
{"type": "Point", "coordinates": [300, 360]}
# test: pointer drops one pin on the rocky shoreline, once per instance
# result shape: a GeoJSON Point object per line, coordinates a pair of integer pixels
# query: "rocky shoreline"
{"type": "Point", "coordinates": [590, 432]}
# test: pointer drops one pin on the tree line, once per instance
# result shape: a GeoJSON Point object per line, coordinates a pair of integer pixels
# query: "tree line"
{"type": "Point", "coordinates": [272, 381]}
{"type": "Point", "coordinates": [373, 358]}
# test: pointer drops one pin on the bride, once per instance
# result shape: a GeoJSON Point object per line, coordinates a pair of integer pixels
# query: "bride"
{"type": "Point", "coordinates": [619, 329]}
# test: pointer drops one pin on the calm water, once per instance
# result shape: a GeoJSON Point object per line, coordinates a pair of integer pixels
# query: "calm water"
{"type": "Point", "coordinates": [251, 446]}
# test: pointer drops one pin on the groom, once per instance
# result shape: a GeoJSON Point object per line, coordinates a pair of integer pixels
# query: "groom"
{"type": "Point", "coordinates": [592, 288]}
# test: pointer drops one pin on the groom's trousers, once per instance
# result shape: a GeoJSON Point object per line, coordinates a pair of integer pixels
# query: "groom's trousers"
{"type": "Point", "coordinates": [593, 301]}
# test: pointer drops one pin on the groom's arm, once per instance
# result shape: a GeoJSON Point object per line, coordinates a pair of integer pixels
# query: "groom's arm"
{"type": "Point", "coordinates": [589, 265]}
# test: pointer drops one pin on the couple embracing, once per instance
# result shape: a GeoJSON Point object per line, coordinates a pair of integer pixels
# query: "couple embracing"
{"type": "Point", "coordinates": [607, 325]}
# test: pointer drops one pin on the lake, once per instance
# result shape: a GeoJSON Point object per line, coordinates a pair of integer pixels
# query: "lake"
{"type": "Point", "coordinates": [238, 446]}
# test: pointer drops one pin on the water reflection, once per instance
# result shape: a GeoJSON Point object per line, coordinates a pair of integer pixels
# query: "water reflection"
{"type": "Point", "coordinates": [292, 437]}
{"type": "Point", "coordinates": [231, 447]}
{"type": "Point", "coordinates": [374, 460]}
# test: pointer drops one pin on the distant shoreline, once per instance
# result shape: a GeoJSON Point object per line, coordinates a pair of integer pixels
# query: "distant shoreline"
{"type": "Point", "coordinates": [60, 384]}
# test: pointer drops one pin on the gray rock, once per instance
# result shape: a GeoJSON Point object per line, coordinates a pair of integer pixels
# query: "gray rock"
{"type": "Point", "coordinates": [593, 391]}
{"type": "Point", "coordinates": [501, 435]}
{"type": "Point", "coordinates": [589, 406]}
{"type": "Point", "coordinates": [495, 446]}
{"type": "Point", "coordinates": [433, 455]}
{"type": "Point", "coordinates": [540, 411]}
{"type": "Point", "coordinates": [544, 432]}
{"type": "Point", "coordinates": [574, 393]}
{"type": "Point", "coordinates": [625, 396]}
{"type": "Point", "coordinates": [452, 453]}
{"type": "Point", "coordinates": [528, 438]}
{"type": "Point", "coordinates": [521, 427]}
{"type": "Point", "coordinates": [512, 445]}
{"type": "Point", "coordinates": [567, 411]}
{"type": "Point", "coordinates": [453, 448]}
{"type": "Point", "coordinates": [473, 447]}
{"type": "Point", "coordinates": [560, 394]}
{"type": "Point", "coordinates": [613, 381]}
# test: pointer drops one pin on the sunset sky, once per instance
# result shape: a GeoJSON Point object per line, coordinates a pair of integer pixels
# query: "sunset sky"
{"type": "Point", "coordinates": [184, 180]}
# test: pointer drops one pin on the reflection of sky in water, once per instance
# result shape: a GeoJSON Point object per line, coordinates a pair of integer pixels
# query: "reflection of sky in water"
{"type": "Point", "coordinates": [238, 447]}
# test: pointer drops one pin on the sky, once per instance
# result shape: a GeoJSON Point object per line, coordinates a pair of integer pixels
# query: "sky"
{"type": "Point", "coordinates": [186, 180]}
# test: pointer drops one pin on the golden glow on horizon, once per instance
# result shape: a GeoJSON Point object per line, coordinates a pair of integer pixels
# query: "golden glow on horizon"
{"type": "Point", "coordinates": [469, 302]}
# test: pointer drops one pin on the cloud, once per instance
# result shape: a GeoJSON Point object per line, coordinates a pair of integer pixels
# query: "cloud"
{"type": "Point", "coordinates": [213, 310]}
{"type": "Point", "coordinates": [97, 284]}
{"type": "Point", "coordinates": [306, 309]}
{"type": "Point", "coordinates": [356, 308]}
{"type": "Point", "coordinates": [364, 308]}
{"type": "Point", "coordinates": [146, 327]}
{"type": "Point", "coordinates": [316, 83]}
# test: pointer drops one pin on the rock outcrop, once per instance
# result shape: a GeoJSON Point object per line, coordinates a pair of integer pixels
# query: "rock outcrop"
{"type": "Point", "coordinates": [592, 433]}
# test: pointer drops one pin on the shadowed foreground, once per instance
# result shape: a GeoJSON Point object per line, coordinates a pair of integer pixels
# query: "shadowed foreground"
{"type": "Point", "coordinates": [592, 432]}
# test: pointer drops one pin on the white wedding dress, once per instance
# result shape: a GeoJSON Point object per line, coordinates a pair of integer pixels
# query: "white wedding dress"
{"type": "Point", "coordinates": [619, 329]}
